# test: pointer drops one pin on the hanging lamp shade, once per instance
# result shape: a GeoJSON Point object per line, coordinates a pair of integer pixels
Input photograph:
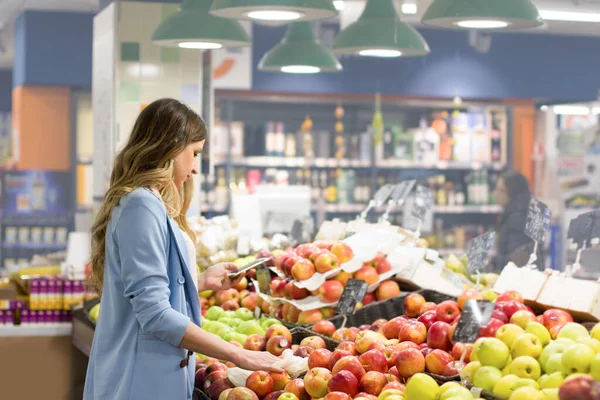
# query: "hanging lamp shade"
{"type": "Point", "coordinates": [299, 52]}
{"type": "Point", "coordinates": [274, 10]}
{"type": "Point", "coordinates": [193, 27]}
{"type": "Point", "coordinates": [483, 14]}
{"type": "Point", "coordinates": [379, 32]}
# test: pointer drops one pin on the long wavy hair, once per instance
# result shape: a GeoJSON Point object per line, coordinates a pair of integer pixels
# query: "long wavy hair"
{"type": "Point", "coordinates": [162, 130]}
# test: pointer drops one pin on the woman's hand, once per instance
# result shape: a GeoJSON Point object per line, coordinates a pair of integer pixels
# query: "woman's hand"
{"type": "Point", "coordinates": [257, 361]}
{"type": "Point", "coordinates": [216, 277]}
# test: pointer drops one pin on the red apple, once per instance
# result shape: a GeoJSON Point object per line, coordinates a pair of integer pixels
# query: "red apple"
{"type": "Point", "coordinates": [491, 328]}
{"type": "Point", "coordinates": [280, 380]}
{"type": "Point", "coordinates": [500, 315]}
{"type": "Point", "coordinates": [273, 395]}
{"type": "Point", "coordinates": [241, 393]}
{"type": "Point", "coordinates": [391, 329]}
{"type": "Point", "coordinates": [374, 360]}
{"type": "Point", "coordinates": [436, 361]}
{"type": "Point", "coordinates": [376, 346]}
{"type": "Point", "coordinates": [394, 386]}
{"type": "Point", "coordinates": [293, 292]}
{"type": "Point", "coordinates": [224, 295]}
{"type": "Point", "coordinates": [580, 388]}
{"type": "Point", "coordinates": [331, 291]}
{"type": "Point", "coordinates": [303, 269]}
{"type": "Point", "coordinates": [387, 290]}
{"type": "Point", "coordinates": [214, 367]}
{"type": "Point", "coordinates": [199, 378]}
{"type": "Point", "coordinates": [553, 317]}
{"type": "Point", "coordinates": [428, 306]}
{"type": "Point", "coordinates": [290, 262]}
{"type": "Point", "coordinates": [369, 298]}
{"type": "Point", "coordinates": [459, 349]}
{"type": "Point", "coordinates": [511, 295]}
{"type": "Point", "coordinates": [319, 358]}
{"type": "Point", "coordinates": [367, 274]}
{"type": "Point", "coordinates": [413, 331]}
{"type": "Point", "coordinates": [315, 342]}
{"type": "Point", "coordinates": [296, 386]}
{"type": "Point", "coordinates": [412, 304]}
{"type": "Point", "coordinates": [255, 342]}
{"type": "Point", "coordinates": [344, 381]}
{"type": "Point", "coordinates": [453, 368]}
{"type": "Point", "coordinates": [310, 317]}
{"type": "Point", "coordinates": [336, 356]}
{"type": "Point", "coordinates": [277, 344]}
{"type": "Point", "coordinates": [337, 396]}
{"type": "Point", "coordinates": [469, 295]}
{"type": "Point", "coordinates": [410, 362]}
{"type": "Point", "coordinates": [325, 244]}
{"type": "Point", "coordinates": [447, 311]}
{"type": "Point", "coordinates": [425, 351]}
{"type": "Point", "coordinates": [380, 321]}
{"type": "Point", "coordinates": [249, 302]}
{"type": "Point", "coordinates": [406, 345]}
{"type": "Point", "coordinates": [343, 252]}
{"type": "Point", "coordinates": [316, 381]}
{"type": "Point", "coordinates": [391, 378]}
{"type": "Point", "coordinates": [348, 346]}
{"type": "Point", "coordinates": [230, 305]}
{"type": "Point", "coordinates": [349, 363]}
{"type": "Point", "coordinates": [555, 330]}
{"type": "Point", "coordinates": [391, 354]}
{"type": "Point", "coordinates": [428, 318]}
{"type": "Point", "coordinates": [381, 264]}
{"type": "Point", "coordinates": [217, 387]}
{"type": "Point", "coordinates": [394, 371]}
{"type": "Point", "coordinates": [314, 256]}
{"type": "Point", "coordinates": [212, 378]}
{"type": "Point", "coordinates": [326, 262]}
{"type": "Point", "coordinates": [373, 382]}
{"type": "Point", "coordinates": [303, 351]}
{"type": "Point", "coordinates": [241, 285]}
{"type": "Point", "coordinates": [305, 250]}
{"type": "Point", "coordinates": [344, 334]}
{"type": "Point", "coordinates": [522, 318]}
{"type": "Point", "coordinates": [324, 327]}
{"type": "Point", "coordinates": [509, 307]}
{"type": "Point", "coordinates": [437, 336]}
{"type": "Point", "coordinates": [278, 329]}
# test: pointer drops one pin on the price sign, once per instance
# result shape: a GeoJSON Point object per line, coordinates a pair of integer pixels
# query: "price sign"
{"type": "Point", "coordinates": [538, 220]}
{"type": "Point", "coordinates": [580, 229]}
{"type": "Point", "coordinates": [297, 232]}
{"type": "Point", "coordinates": [263, 275]}
{"type": "Point", "coordinates": [477, 254]}
{"type": "Point", "coordinates": [382, 195]}
{"type": "Point", "coordinates": [423, 203]}
{"type": "Point", "coordinates": [595, 235]}
{"type": "Point", "coordinates": [402, 190]}
{"type": "Point", "coordinates": [353, 293]}
{"type": "Point", "coordinates": [475, 315]}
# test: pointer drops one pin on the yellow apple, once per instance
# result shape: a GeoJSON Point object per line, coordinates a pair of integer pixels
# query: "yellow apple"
{"type": "Point", "coordinates": [491, 352]}
{"type": "Point", "coordinates": [595, 333]}
{"type": "Point", "coordinates": [593, 344]}
{"type": "Point", "coordinates": [595, 368]}
{"type": "Point", "coordinates": [551, 381]}
{"type": "Point", "coordinates": [526, 393]}
{"type": "Point", "coordinates": [487, 377]}
{"type": "Point", "coordinates": [469, 370]}
{"type": "Point", "coordinates": [526, 367]}
{"type": "Point", "coordinates": [573, 331]}
{"type": "Point", "coordinates": [506, 385]}
{"type": "Point", "coordinates": [540, 331]}
{"type": "Point", "coordinates": [577, 358]}
{"type": "Point", "coordinates": [526, 345]}
{"type": "Point", "coordinates": [508, 333]}
{"type": "Point", "coordinates": [550, 394]}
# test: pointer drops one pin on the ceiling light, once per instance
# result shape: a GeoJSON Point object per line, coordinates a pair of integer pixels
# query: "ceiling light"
{"type": "Point", "coordinates": [571, 16]}
{"type": "Point", "coordinates": [299, 52]}
{"type": "Point", "coordinates": [482, 14]}
{"type": "Point", "coordinates": [338, 4]}
{"type": "Point", "coordinates": [274, 10]}
{"type": "Point", "coordinates": [192, 27]}
{"type": "Point", "coordinates": [379, 32]}
{"type": "Point", "coordinates": [409, 8]}
{"type": "Point", "coordinates": [571, 110]}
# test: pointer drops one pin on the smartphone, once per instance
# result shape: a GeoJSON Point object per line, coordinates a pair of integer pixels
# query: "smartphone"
{"type": "Point", "coordinates": [259, 261]}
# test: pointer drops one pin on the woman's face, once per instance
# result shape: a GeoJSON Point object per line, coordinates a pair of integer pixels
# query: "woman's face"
{"type": "Point", "coordinates": [501, 194]}
{"type": "Point", "coordinates": [186, 163]}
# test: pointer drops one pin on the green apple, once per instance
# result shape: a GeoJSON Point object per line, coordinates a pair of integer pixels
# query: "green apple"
{"type": "Point", "coordinates": [526, 345]}
{"type": "Point", "coordinates": [551, 381]}
{"type": "Point", "coordinates": [487, 377]}
{"type": "Point", "coordinates": [229, 321]}
{"type": "Point", "coordinates": [238, 337]}
{"type": "Point", "coordinates": [573, 331]}
{"type": "Point", "coordinates": [527, 393]}
{"type": "Point", "coordinates": [447, 386]}
{"type": "Point", "coordinates": [206, 323]}
{"type": "Point", "coordinates": [214, 313]}
{"type": "Point", "coordinates": [244, 314]}
{"type": "Point", "coordinates": [526, 367]}
{"type": "Point", "coordinates": [577, 358]}
{"type": "Point", "coordinates": [268, 322]}
{"type": "Point", "coordinates": [526, 382]}
{"type": "Point", "coordinates": [457, 392]}
{"type": "Point", "coordinates": [554, 364]}
{"type": "Point", "coordinates": [228, 314]}
{"type": "Point", "coordinates": [564, 341]}
{"type": "Point", "coordinates": [595, 332]}
{"type": "Point", "coordinates": [469, 370]}
{"type": "Point", "coordinates": [550, 394]}
{"type": "Point", "coordinates": [218, 328]}
{"type": "Point", "coordinates": [491, 352]}
{"type": "Point", "coordinates": [421, 387]}
{"type": "Point", "coordinates": [490, 295]}
{"type": "Point", "coordinates": [206, 294]}
{"type": "Point", "coordinates": [550, 350]}
{"type": "Point", "coordinates": [506, 385]}
{"type": "Point", "coordinates": [508, 333]}
{"type": "Point", "coordinates": [595, 367]}
{"type": "Point", "coordinates": [251, 327]}
{"type": "Point", "coordinates": [540, 331]}
{"type": "Point", "coordinates": [591, 342]}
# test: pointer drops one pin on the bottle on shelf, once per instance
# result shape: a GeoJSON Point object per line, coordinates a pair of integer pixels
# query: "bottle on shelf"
{"type": "Point", "coordinates": [351, 185]}
{"type": "Point", "coordinates": [221, 192]}
{"type": "Point", "coordinates": [279, 140]}
{"type": "Point", "coordinates": [342, 183]}
{"type": "Point", "coordinates": [290, 145]}
{"type": "Point", "coordinates": [270, 139]}
{"type": "Point", "coordinates": [331, 194]}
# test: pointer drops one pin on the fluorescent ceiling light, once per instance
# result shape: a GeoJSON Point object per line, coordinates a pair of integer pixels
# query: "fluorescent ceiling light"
{"type": "Point", "coordinates": [338, 4]}
{"type": "Point", "coordinates": [482, 24]}
{"type": "Point", "coordinates": [409, 8]}
{"type": "Point", "coordinates": [200, 45]}
{"type": "Point", "coordinates": [300, 69]}
{"type": "Point", "coordinates": [274, 15]}
{"type": "Point", "coordinates": [596, 110]}
{"type": "Point", "coordinates": [386, 53]}
{"type": "Point", "coordinates": [572, 16]}
{"type": "Point", "coordinates": [571, 110]}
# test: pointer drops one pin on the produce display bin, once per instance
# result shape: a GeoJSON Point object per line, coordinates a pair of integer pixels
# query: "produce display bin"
{"type": "Point", "coordinates": [300, 333]}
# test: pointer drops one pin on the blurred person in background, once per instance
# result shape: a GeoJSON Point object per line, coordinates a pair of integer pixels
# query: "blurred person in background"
{"type": "Point", "coordinates": [512, 245]}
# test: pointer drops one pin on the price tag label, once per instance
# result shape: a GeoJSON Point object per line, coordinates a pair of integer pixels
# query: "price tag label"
{"type": "Point", "coordinates": [423, 203]}
{"type": "Point", "coordinates": [382, 195]}
{"type": "Point", "coordinates": [263, 275]}
{"type": "Point", "coordinates": [401, 191]}
{"type": "Point", "coordinates": [297, 232]}
{"type": "Point", "coordinates": [479, 249]}
{"type": "Point", "coordinates": [537, 224]}
{"type": "Point", "coordinates": [595, 235]}
{"type": "Point", "coordinates": [580, 229]}
{"type": "Point", "coordinates": [475, 315]}
{"type": "Point", "coordinates": [353, 293]}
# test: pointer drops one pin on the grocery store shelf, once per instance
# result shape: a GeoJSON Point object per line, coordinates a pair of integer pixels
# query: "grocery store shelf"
{"type": "Point", "coordinates": [449, 251]}
{"type": "Point", "coordinates": [466, 209]}
{"type": "Point", "coordinates": [391, 164]}
{"type": "Point", "coordinates": [295, 162]}
{"type": "Point", "coordinates": [60, 329]}
{"type": "Point", "coordinates": [206, 208]}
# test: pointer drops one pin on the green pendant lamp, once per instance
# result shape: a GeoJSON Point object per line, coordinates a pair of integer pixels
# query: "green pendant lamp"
{"type": "Point", "coordinates": [192, 27]}
{"type": "Point", "coordinates": [299, 52]}
{"type": "Point", "coordinates": [380, 33]}
{"type": "Point", "coordinates": [274, 10]}
{"type": "Point", "coordinates": [483, 14]}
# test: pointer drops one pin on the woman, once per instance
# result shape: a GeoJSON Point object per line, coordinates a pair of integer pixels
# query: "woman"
{"type": "Point", "coordinates": [143, 264]}
{"type": "Point", "coordinates": [513, 194]}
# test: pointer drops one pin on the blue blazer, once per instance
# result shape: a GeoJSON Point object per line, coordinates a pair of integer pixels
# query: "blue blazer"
{"type": "Point", "coordinates": [148, 301]}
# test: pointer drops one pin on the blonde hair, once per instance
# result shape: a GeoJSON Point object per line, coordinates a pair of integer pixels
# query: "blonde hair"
{"type": "Point", "coordinates": [162, 131]}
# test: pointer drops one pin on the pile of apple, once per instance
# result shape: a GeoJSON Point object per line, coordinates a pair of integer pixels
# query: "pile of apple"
{"type": "Point", "coordinates": [240, 295]}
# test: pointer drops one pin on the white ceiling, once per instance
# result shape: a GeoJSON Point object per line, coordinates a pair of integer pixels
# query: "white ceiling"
{"type": "Point", "coordinates": [10, 9]}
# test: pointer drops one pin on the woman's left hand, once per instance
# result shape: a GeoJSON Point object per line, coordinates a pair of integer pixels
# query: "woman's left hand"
{"type": "Point", "coordinates": [216, 277]}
